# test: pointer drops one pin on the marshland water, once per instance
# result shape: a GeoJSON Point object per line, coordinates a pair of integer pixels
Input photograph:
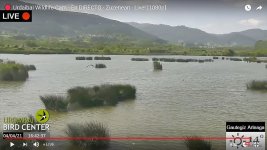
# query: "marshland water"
{"type": "Point", "coordinates": [184, 99]}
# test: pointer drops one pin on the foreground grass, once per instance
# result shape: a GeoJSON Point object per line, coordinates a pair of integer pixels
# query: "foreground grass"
{"type": "Point", "coordinates": [257, 85]}
{"type": "Point", "coordinates": [197, 144]}
{"type": "Point", "coordinates": [103, 95]}
{"type": "Point", "coordinates": [92, 129]}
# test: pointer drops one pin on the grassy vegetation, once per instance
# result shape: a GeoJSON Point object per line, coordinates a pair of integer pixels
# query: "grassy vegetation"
{"type": "Point", "coordinates": [101, 95]}
{"type": "Point", "coordinates": [257, 85]}
{"type": "Point", "coordinates": [89, 97]}
{"type": "Point", "coordinates": [30, 67]}
{"type": "Point", "coordinates": [13, 72]}
{"type": "Point", "coordinates": [85, 45]}
{"type": "Point", "coordinates": [157, 65]}
{"type": "Point", "coordinates": [100, 66]}
{"type": "Point", "coordinates": [92, 129]}
{"type": "Point", "coordinates": [55, 103]}
{"type": "Point", "coordinates": [197, 144]}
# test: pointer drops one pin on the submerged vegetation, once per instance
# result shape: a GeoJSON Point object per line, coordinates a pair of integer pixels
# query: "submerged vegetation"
{"type": "Point", "coordinates": [195, 143]}
{"type": "Point", "coordinates": [182, 60]}
{"type": "Point", "coordinates": [102, 58]}
{"type": "Point", "coordinates": [100, 66]}
{"type": "Point", "coordinates": [257, 85]}
{"type": "Point", "coordinates": [140, 59]}
{"type": "Point", "coordinates": [90, 97]}
{"type": "Point", "coordinates": [90, 130]}
{"type": "Point", "coordinates": [157, 65]}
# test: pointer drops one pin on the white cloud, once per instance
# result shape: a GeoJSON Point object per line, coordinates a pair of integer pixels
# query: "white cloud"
{"type": "Point", "coordinates": [250, 22]}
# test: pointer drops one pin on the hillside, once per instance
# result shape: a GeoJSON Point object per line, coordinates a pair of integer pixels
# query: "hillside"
{"type": "Point", "coordinates": [178, 34]}
{"type": "Point", "coordinates": [47, 23]}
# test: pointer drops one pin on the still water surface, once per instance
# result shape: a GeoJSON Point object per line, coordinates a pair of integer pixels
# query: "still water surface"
{"type": "Point", "coordinates": [184, 99]}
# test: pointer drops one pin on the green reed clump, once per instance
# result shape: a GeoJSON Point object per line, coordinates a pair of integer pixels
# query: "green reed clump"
{"type": "Point", "coordinates": [101, 95]}
{"type": "Point", "coordinates": [80, 58]}
{"type": "Point", "coordinates": [55, 103]}
{"type": "Point", "coordinates": [140, 59]}
{"type": "Point", "coordinates": [157, 65]}
{"type": "Point", "coordinates": [10, 71]}
{"type": "Point", "coordinates": [100, 66]}
{"type": "Point", "coordinates": [197, 144]}
{"type": "Point", "coordinates": [257, 85]}
{"type": "Point", "coordinates": [94, 130]}
{"type": "Point", "coordinates": [86, 97]}
{"type": "Point", "coordinates": [30, 67]}
{"type": "Point", "coordinates": [102, 58]}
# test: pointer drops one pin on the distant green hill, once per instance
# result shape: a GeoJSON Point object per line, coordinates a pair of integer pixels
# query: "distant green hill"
{"type": "Point", "coordinates": [70, 24]}
{"type": "Point", "coordinates": [189, 36]}
{"type": "Point", "coordinates": [261, 45]}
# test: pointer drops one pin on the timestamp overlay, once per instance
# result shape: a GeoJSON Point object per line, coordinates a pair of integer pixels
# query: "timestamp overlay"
{"type": "Point", "coordinates": [245, 135]}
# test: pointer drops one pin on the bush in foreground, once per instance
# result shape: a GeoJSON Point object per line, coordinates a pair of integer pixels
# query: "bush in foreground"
{"type": "Point", "coordinates": [197, 144]}
{"type": "Point", "coordinates": [55, 103]}
{"type": "Point", "coordinates": [257, 85]}
{"type": "Point", "coordinates": [13, 72]}
{"type": "Point", "coordinates": [101, 95]}
{"type": "Point", "coordinates": [93, 129]}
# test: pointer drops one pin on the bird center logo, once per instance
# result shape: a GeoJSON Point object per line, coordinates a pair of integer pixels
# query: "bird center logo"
{"type": "Point", "coordinates": [42, 116]}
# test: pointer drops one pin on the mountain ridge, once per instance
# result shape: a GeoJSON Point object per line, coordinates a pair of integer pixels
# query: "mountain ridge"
{"type": "Point", "coordinates": [176, 34]}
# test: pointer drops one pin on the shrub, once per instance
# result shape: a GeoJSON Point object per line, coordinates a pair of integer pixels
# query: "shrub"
{"type": "Point", "coordinates": [55, 103]}
{"type": "Point", "coordinates": [101, 95]}
{"type": "Point", "coordinates": [86, 97]}
{"type": "Point", "coordinates": [157, 65]}
{"type": "Point", "coordinates": [100, 66]}
{"type": "Point", "coordinates": [92, 129]}
{"type": "Point", "coordinates": [30, 67]}
{"type": "Point", "coordinates": [257, 85]}
{"type": "Point", "coordinates": [13, 72]}
{"type": "Point", "coordinates": [197, 144]}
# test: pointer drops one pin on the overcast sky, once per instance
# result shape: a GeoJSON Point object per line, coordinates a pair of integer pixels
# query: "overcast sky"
{"type": "Point", "coordinates": [221, 16]}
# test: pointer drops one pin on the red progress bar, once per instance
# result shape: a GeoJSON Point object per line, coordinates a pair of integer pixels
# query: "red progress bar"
{"type": "Point", "coordinates": [128, 138]}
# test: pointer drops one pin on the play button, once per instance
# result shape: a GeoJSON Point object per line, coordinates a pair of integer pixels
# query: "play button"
{"type": "Point", "coordinates": [11, 144]}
